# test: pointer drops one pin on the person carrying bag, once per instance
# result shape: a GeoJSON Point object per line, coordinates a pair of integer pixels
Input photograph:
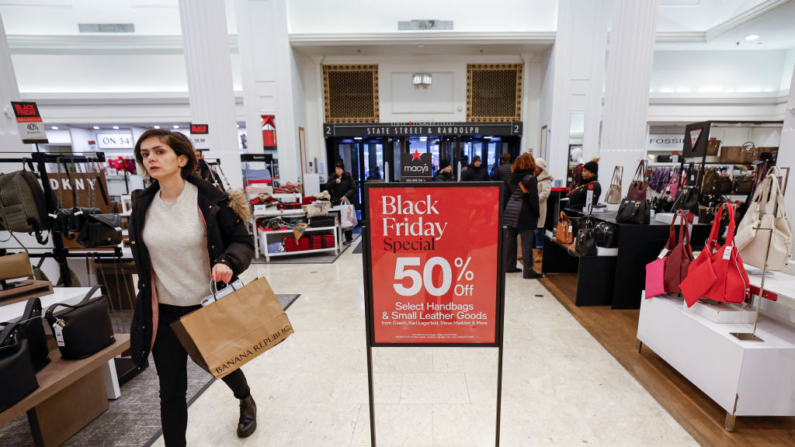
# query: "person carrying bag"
{"type": "Point", "coordinates": [183, 232]}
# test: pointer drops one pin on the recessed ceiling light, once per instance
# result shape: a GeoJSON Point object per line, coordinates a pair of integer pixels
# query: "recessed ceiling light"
{"type": "Point", "coordinates": [237, 125]}
{"type": "Point", "coordinates": [357, 138]}
{"type": "Point", "coordinates": [157, 127]}
{"type": "Point", "coordinates": [683, 90]}
{"type": "Point", "coordinates": [54, 127]}
{"type": "Point", "coordinates": [666, 90]}
{"type": "Point", "coordinates": [115, 127]}
{"type": "Point", "coordinates": [176, 127]}
{"type": "Point", "coordinates": [752, 37]}
{"type": "Point", "coordinates": [96, 127]}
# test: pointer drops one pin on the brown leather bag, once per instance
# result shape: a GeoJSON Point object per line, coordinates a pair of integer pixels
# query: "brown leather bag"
{"type": "Point", "coordinates": [637, 189]}
{"type": "Point", "coordinates": [750, 152]}
{"type": "Point", "coordinates": [712, 147]}
{"type": "Point", "coordinates": [16, 265]}
{"type": "Point", "coordinates": [731, 154]}
{"type": "Point", "coordinates": [564, 232]}
{"type": "Point", "coordinates": [678, 261]}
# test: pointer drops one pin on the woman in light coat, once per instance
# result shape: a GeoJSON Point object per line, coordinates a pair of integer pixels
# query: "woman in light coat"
{"type": "Point", "coordinates": [544, 189]}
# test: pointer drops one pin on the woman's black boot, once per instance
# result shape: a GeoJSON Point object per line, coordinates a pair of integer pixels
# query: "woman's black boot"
{"type": "Point", "coordinates": [248, 417]}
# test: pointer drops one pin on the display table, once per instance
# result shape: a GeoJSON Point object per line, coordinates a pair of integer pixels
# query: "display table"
{"type": "Point", "coordinates": [267, 236]}
{"type": "Point", "coordinates": [71, 394]}
{"type": "Point", "coordinates": [67, 295]}
{"type": "Point", "coordinates": [746, 378]}
{"type": "Point", "coordinates": [263, 236]}
{"type": "Point", "coordinates": [594, 273]}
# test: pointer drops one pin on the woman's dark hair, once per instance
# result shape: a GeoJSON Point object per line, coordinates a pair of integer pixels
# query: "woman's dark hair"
{"type": "Point", "coordinates": [177, 141]}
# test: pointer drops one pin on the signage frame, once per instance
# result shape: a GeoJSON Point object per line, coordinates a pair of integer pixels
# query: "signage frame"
{"type": "Point", "coordinates": [368, 296]}
{"type": "Point", "coordinates": [422, 129]}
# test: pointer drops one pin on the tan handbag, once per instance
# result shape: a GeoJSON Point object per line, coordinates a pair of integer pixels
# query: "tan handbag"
{"type": "Point", "coordinates": [16, 265]}
{"type": "Point", "coordinates": [766, 213]}
{"type": "Point", "coordinates": [614, 192]}
{"type": "Point", "coordinates": [731, 154]}
{"type": "Point", "coordinates": [564, 232]}
{"type": "Point", "coordinates": [319, 208]}
{"type": "Point", "coordinates": [712, 147]}
{"type": "Point", "coordinates": [750, 153]}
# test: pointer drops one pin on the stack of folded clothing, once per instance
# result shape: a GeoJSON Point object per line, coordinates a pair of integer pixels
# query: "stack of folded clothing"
{"type": "Point", "coordinates": [291, 245]}
{"type": "Point", "coordinates": [315, 241]}
{"type": "Point", "coordinates": [327, 240]}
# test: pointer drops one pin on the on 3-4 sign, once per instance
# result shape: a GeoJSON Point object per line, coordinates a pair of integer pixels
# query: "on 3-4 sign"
{"type": "Point", "coordinates": [434, 270]}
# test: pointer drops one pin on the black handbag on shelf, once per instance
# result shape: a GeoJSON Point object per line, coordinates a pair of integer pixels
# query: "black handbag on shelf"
{"type": "Point", "coordinates": [632, 211]}
{"type": "Point", "coordinates": [605, 235]}
{"type": "Point", "coordinates": [84, 329]}
{"type": "Point", "coordinates": [585, 244]}
{"type": "Point", "coordinates": [322, 221]}
{"type": "Point", "coordinates": [100, 230]}
{"type": "Point", "coordinates": [687, 200]}
{"type": "Point", "coordinates": [32, 325]}
{"type": "Point", "coordinates": [17, 376]}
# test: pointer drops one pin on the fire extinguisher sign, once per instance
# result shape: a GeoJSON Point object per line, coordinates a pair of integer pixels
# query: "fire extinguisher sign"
{"type": "Point", "coordinates": [433, 267]}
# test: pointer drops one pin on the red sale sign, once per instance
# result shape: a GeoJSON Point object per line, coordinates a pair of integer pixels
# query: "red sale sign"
{"type": "Point", "coordinates": [433, 263]}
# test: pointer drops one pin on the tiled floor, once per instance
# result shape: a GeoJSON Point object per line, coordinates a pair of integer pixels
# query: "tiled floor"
{"type": "Point", "coordinates": [560, 387]}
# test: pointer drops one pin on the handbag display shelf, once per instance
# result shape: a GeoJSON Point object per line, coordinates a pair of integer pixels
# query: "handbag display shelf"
{"type": "Point", "coordinates": [268, 237]}
{"type": "Point", "coordinates": [754, 379]}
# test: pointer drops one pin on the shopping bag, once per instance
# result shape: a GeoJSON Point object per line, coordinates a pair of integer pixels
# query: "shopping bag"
{"type": "Point", "coordinates": [231, 332]}
{"type": "Point", "coordinates": [348, 216]}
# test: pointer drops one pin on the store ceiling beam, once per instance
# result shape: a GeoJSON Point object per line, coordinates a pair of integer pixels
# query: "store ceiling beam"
{"type": "Point", "coordinates": [424, 37]}
{"type": "Point", "coordinates": [32, 44]}
{"type": "Point", "coordinates": [744, 18]}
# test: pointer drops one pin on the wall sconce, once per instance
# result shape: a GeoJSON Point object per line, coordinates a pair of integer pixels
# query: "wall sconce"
{"type": "Point", "coordinates": [422, 79]}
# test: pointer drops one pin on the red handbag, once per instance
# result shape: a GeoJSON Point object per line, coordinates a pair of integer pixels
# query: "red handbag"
{"type": "Point", "coordinates": [719, 274]}
{"type": "Point", "coordinates": [680, 258]}
{"type": "Point", "coordinates": [637, 189]}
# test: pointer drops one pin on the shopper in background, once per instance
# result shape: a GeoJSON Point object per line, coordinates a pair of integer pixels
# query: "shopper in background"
{"type": "Point", "coordinates": [342, 188]}
{"type": "Point", "coordinates": [177, 252]}
{"type": "Point", "coordinates": [504, 174]}
{"type": "Point", "coordinates": [445, 171]}
{"type": "Point", "coordinates": [544, 189]}
{"type": "Point", "coordinates": [476, 172]}
{"type": "Point", "coordinates": [521, 215]}
{"type": "Point", "coordinates": [590, 177]}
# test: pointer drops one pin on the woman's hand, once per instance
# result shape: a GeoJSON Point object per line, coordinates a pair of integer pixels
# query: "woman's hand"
{"type": "Point", "coordinates": [222, 273]}
{"type": "Point", "coordinates": [524, 190]}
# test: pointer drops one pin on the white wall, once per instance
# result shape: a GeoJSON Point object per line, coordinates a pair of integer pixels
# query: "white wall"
{"type": "Point", "coordinates": [787, 70]}
{"type": "Point", "coordinates": [73, 73]}
{"type": "Point", "coordinates": [369, 16]}
{"type": "Point", "coordinates": [717, 71]}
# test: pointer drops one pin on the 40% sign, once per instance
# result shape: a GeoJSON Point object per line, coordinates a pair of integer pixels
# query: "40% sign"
{"type": "Point", "coordinates": [418, 279]}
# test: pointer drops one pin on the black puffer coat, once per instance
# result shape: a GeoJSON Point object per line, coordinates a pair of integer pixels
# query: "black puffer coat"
{"type": "Point", "coordinates": [473, 174]}
{"type": "Point", "coordinates": [504, 174]}
{"type": "Point", "coordinates": [345, 188]}
{"type": "Point", "coordinates": [444, 176]}
{"type": "Point", "coordinates": [228, 242]}
{"type": "Point", "coordinates": [522, 210]}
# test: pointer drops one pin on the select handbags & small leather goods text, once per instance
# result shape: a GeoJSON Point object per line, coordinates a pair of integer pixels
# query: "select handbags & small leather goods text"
{"type": "Point", "coordinates": [84, 328]}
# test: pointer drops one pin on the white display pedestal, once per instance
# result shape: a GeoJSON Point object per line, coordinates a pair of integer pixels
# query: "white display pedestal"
{"type": "Point", "coordinates": [745, 378]}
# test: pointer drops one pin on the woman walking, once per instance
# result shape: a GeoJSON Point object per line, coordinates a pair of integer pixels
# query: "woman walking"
{"type": "Point", "coordinates": [521, 215]}
{"type": "Point", "coordinates": [184, 233]}
{"type": "Point", "coordinates": [342, 188]}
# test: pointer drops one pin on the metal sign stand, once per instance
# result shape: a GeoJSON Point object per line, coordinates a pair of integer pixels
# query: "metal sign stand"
{"type": "Point", "coordinates": [368, 294]}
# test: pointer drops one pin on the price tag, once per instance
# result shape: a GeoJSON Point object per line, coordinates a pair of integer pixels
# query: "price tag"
{"type": "Point", "coordinates": [570, 229]}
{"type": "Point", "coordinates": [58, 331]}
{"type": "Point", "coordinates": [663, 253]}
{"type": "Point", "coordinates": [727, 253]}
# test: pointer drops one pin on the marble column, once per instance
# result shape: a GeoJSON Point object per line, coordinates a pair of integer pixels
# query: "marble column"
{"type": "Point", "coordinates": [209, 67]}
{"type": "Point", "coordinates": [626, 100]}
{"type": "Point", "coordinates": [786, 158]}
{"type": "Point", "coordinates": [576, 66]}
{"type": "Point", "coordinates": [10, 141]}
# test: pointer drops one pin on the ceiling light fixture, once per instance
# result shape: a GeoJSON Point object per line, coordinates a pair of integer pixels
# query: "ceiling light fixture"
{"type": "Point", "coordinates": [176, 127]}
{"type": "Point", "coordinates": [357, 138]}
{"type": "Point", "coordinates": [115, 127]}
{"type": "Point", "coordinates": [96, 127]}
{"type": "Point", "coordinates": [422, 79]}
{"type": "Point", "coordinates": [666, 90]}
{"type": "Point", "coordinates": [683, 90]}
{"type": "Point", "coordinates": [156, 127]}
{"type": "Point", "coordinates": [752, 37]}
{"type": "Point", "coordinates": [238, 125]}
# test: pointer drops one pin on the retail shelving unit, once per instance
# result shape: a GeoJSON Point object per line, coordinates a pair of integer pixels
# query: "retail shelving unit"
{"type": "Point", "coordinates": [746, 378]}
{"type": "Point", "coordinates": [264, 238]}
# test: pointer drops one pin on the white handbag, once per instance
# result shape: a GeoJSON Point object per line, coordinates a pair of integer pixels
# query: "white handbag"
{"type": "Point", "coordinates": [762, 218]}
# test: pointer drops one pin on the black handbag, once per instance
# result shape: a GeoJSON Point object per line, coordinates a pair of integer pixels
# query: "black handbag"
{"type": "Point", "coordinates": [633, 211]}
{"type": "Point", "coordinates": [585, 243]}
{"type": "Point", "coordinates": [687, 200]}
{"type": "Point", "coordinates": [322, 221]}
{"type": "Point", "coordinates": [17, 376]}
{"type": "Point", "coordinates": [84, 329]}
{"type": "Point", "coordinates": [32, 325]}
{"type": "Point", "coordinates": [605, 235]}
{"type": "Point", "coordinates": [100, 230]}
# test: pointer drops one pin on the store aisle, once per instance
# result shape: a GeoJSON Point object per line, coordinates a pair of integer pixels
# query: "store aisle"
{"type": "Point", "coordinates": [560, 386]}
